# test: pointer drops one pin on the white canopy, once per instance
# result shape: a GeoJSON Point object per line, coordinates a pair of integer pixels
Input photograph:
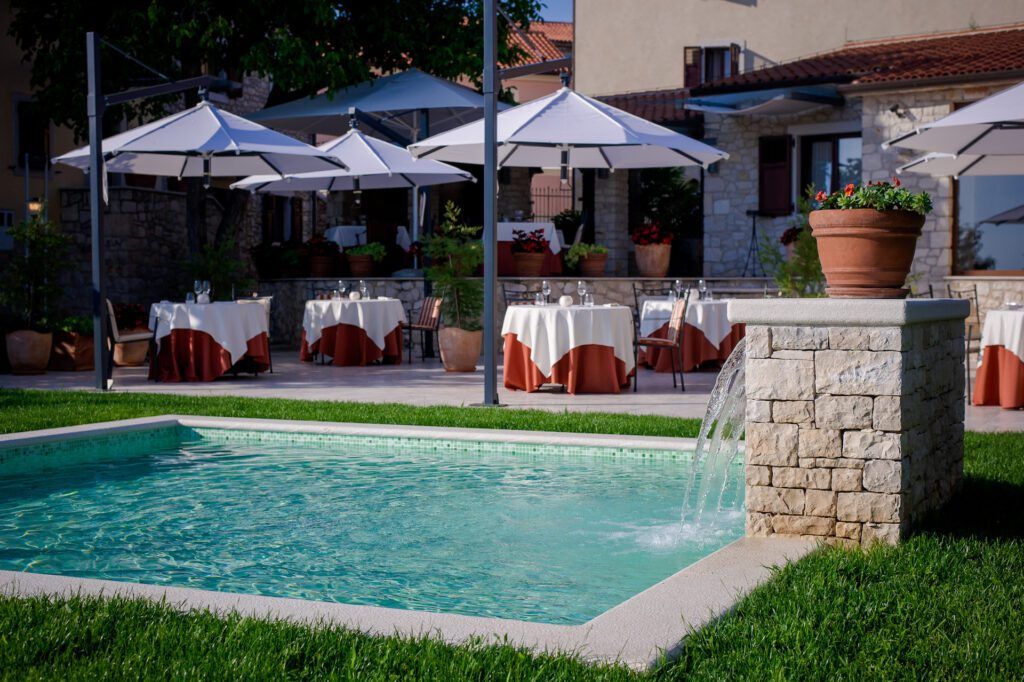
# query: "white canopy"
{"type": "Point", "coordinates": [375, 163]}
{"type": "Point", "coordinates": [204, 141]}
{"type": "Point", "coordinates": [966, 164]}
{"type": "Point", "coordinates": [992, 126]}
{"type": "Point", "coordinates": [570, 129]}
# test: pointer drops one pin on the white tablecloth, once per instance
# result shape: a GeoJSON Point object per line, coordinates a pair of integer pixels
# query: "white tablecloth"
{"type": "Point", "coordinates": [551, 331]}
{"type": "Point", "coordinates": [377, 317]}
{"type": "Point", "coordinates": [710, 317]}
{"type": "Point", "coordinates": [230, 324]}
{"type": "Point", "coordinates": [346, 235]}
{"type": "Point", "coordinates": [506, 233]}
{"type": "Point", "coordinates": [1004, 328]}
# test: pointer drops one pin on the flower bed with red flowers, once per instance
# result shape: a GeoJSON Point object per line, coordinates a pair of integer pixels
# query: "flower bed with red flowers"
{"type": "Point", "coordinates": [318, 245]}
{"type": "Point", "coordinates": [529, 241]}
{"type": "Point", "coordinates": [649, 234]}
{"type": "Point", "coordinates": [881, 196]}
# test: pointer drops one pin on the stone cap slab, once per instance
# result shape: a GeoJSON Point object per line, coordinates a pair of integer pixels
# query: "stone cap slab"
{"type": "Point", "coordinates": [846, 312]}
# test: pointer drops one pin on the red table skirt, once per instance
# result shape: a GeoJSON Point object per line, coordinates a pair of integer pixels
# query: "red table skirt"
{"type": "Point", "coordinates": [584, 369]}
{"type": "Point", "coordinates": [507, 262]}
{"type": "Point", "coordinates": [191, 355]}
{"type": "Point", "coordinates": [349, 345]}
{"type": "Point", "coordinates": [696, 349]}
{"type": "Point", "coordinates": [1000, 379]}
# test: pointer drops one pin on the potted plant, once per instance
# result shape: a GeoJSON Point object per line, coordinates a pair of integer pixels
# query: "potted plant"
{"type": "Point", "coordinates": [590, 258]}
{"type": "Point", "coordinates": [866, 238]}
{"type": "Point", "coordinates": [131, 317]}
{"type": "Point", "coordinates": [219, 265]}
{"type": "Point", "coordinates": [267, 260]}
{"type": "Point", "coordinates": [528, 250]}
{"type": "Point", "coordinates": [323, 257]}
{"type": "Point", "coordinates": [796, 268]}
{"type": "Point", "coordinates": [653, 248]}
{"type": "Point", "coordinates": [567, 222]}
{"type": "Point", "coordinates": [294, 260]}
{"type": "Point", "coordinates": [455, 255]}
{"type": "Point", "coordinates": [30, 289]}
{"type": "Point", "coordinates": [73, 346]}
{"type": "Point", "coordinates": [362, 259]}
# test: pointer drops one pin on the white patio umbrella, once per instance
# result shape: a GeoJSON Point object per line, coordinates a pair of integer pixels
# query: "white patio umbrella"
{"type": "Point", "coordinates": [371, 164]}
{"type": "Point", "coordinates": [569, 130]}
{"type": "Point", "coordinates": [967, 141]}
{"type": "Point", "coordinates": [204, 141]}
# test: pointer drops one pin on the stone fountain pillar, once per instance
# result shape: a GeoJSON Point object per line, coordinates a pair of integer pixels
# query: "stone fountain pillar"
{"type": "Point", "coordinates": [855, 414]}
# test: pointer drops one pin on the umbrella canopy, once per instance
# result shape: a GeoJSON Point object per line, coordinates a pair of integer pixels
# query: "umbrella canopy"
{"type": "Point", "coordinates": [204, 141]}
{"type": "Point", "coordinates": [372, 164]}
{"type": "Point", "coordinates": [991, 126]}
{"type": "Point", "coordinates": [393, 100]}
{"type": "Point", "coordinates": [1014, 216]}
{"type": "Point", "coordinates": [967, 164]}
{"type": "Point", "coordinates": [570, 129]}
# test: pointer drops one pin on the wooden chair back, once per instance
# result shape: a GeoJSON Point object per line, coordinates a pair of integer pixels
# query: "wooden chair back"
{"type": "Point", "coordinates": [112, 322]}
{"type": "Point", "coordinates": [676, 322]}
{"type": "Point", "coordinates": [430, 314]}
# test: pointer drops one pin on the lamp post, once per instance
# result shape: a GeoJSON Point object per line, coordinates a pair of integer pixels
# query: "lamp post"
{"type": "Point", "coordinates": [490, 186]}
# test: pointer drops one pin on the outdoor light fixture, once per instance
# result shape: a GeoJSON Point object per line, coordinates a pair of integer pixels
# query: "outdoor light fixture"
{"type": "Point", "coordinates": [206, 172]}
{"type": "Point", "coordinates": [356, 190]}
{"type": "Point", "coordinates": [564, 167]}
{"type": "Point", "coordinates": [35, 206]}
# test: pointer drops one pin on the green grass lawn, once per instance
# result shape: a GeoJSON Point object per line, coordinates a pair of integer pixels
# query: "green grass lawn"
{"type": "Point", "coordinates": [947, 604]}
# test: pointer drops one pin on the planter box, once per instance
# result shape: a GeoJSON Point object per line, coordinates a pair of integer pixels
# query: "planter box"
{"type": "Point", "coordinates": [529, 264]}
{"type": "Point", "coordinates": [28, 351]}
{"type": "Point", "coordinates": [72, 352]}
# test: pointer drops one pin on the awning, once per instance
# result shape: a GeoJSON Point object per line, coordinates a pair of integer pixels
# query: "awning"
{"type": "Point", "coordinates": [772, 102]}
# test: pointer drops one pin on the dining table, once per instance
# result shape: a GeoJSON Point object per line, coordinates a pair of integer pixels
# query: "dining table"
{"type": "Point", "coordinates": [353, 332]}
{"type": "Point", "coordinates": [506, 260]}
{"type": "Point", "coordinates": [346, 235]}
{"type": "Point", "coordinates": [204, 341]}
{"type": "Point", "coordinates": [708, 336]}
{"type": "Point", "coordinates": [1000, 377]}
{"type": "Point", "coordinates": [585, 348]}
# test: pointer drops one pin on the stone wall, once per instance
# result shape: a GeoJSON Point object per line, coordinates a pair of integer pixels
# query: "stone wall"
{"type": "Point", "coordinates": [993, 292]}
{"type": "Point", "coordinates": [611, 220]}
{"type": "Point", "coordinates": [853, 432]}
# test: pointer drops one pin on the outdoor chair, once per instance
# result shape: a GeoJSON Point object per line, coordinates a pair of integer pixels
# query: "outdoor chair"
{"type": "Point", "coordinates": [672, 343]}
{"type": "Point", "coordinates": [517, 295]}
{"type": "Point", "coordinates": [972, 330]}
{"type": "Point", "coordinates": [428, 322]}
{"type": "Point", "coordinates": [115, 338]}
{"type": "Point", "coordinates": [643, 291]}
{"type": "Point", "coordinates": [266, 302]}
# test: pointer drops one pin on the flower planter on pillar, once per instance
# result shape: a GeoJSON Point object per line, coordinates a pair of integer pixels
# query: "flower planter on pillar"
{"type": "Point", "coordinates": [866, 253]}
{"type": "Point", "coordinates": [652, 259]}
{"type": "Point", "coordinates": [28, 351]}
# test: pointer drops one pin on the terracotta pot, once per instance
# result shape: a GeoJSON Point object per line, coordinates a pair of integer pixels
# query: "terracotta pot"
{"type": "Point", "coordinates": [323, 266]}
{"type": "Point", "coordinates": [28, 351]}
{"type": "Point", "coordinates": [652, 259]}
{"type": "Point", "coordinates": [131, 354]}
{"type": "Point", "coordinates": [866, 253]}
{"type": "Point", "coordinates": [360, 266]}
{"type": "Point", "coordinates": [460, 349]}
{"type": "Point", "coordinates": [529, 264]}
{"type": "Point", "coordinates": [72, 352]}
{"type": "Point", "coordinates": [593, 265]}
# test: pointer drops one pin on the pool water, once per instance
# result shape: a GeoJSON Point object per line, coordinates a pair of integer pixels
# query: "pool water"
{"type": "Point", "coordinates": [537, 533]}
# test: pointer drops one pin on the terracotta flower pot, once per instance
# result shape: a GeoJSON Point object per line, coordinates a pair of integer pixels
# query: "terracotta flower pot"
{"type": "Point", "coordinates": [72, 352]}
{"type": "Point", "coordinates": [460, 349]}
{"type": "Point", "coordinates": [28, 351]}
{"type": "Point", "coordinates": [131, 354]}
{"type": "Point", "coordinates": [652, 259]}
{"type": "Point", "coordinates": [360, 266]}
{"type": "Point", "coordinates": [529, 264]}
{"type": "Point", "coordinates": [866, 253]}
{"type": "Point", "coordinates": [593, 265]}
{"type": "Point", "coordinates": [323, 266]}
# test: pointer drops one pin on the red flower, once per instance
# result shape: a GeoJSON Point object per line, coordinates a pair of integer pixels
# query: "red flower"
{"type": "Point", "coordinates": [896, 182]}
{"type": "Point", "coordinates": [820, 196]}
{"type": "Point", "coordinates": [849, 190]}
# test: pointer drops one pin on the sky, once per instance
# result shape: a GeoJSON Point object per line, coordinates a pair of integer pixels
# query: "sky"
{"type": "Point", "coordinates": [557, 10]}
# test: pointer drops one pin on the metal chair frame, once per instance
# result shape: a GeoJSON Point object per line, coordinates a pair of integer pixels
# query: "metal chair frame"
{"type": "Point", "coordinates": [673, 342]}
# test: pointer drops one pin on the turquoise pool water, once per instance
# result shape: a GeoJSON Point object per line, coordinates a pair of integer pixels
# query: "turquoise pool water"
{"type": "Point", "coordinates": [539, 533]}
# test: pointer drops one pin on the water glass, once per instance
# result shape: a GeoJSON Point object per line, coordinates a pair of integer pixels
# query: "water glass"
{"type": "Point", "coordinates": [364, 291]}
{"type": "Point", "coordinates": [545, 288]}
{"type": "Point", "coordinates": [581, 289]}
{"type": "Point", "coordinates": [342, 287]}
{"type": "Point", "coordinates": [539, 298]}
{"type": "Point", "coordinates": [588, 299]}
{"type": "Point", "coordinates": [702, 288]}
{"type": "Point", "coordinates": [678, 287]}
{"type": "Point", "coordinates": [190, 298]}
{"type": "Point", "coordinates": [197, 287]}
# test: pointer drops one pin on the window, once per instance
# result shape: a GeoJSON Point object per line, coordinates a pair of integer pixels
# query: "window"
{"type": "Point", "coordinates": [706, 64]}
{"type": "Point", "coordinates": [32, 136]}
{"type": "Point", "coordinates": [982, 246]}
{"type": "Point", "coordinates": [830, 162]}
{"type": "Point", "coordinates": [774, 176]}
{"type": "Point", "coordinates": [6, 223]}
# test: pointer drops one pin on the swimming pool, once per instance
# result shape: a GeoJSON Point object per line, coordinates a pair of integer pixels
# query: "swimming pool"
{"type": "Point", "coordinates": [504, 527]}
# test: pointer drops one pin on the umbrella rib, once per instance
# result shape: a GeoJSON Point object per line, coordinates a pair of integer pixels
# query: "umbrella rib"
{"type": "Point", "coordinates": [406, 178]}
{"type": "Point", "coordinates": [975, 140]}
{"type": "Point", "coordinates": [687, 156]}
{"type": "Point", "coordinates": [223, 125]}
{"type": "Point", "coordinates": [184, 163]}
{"type": "Point", "coordinates": [604, 156]}
{"type": "Point", "coordinates": [971, 165]}
{"type": "Point", "coordinates": [373, 151]}
{"type": "Point", "coordinates": [508, 156]}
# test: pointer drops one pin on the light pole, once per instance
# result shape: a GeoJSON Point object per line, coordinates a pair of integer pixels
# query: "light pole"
{"type": "Point", "coordinates": [490, 183]}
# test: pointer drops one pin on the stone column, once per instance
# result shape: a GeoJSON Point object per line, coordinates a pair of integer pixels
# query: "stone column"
{"type": "Point", "coordinates": [855, 414]}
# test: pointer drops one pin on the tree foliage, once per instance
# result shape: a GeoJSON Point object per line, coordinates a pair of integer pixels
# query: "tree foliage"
{"type": "Point", "coordinates": [303, 46]}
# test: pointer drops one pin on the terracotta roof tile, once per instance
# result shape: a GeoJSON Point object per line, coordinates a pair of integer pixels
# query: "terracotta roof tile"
{"type": "Point", "coordinates": [908, 59]}
{"type": "Point", "coordinates": [659, 106]}
{"type": "Point", "coordinates": [537, 47]}
{"type": "Point", "coordinates": [556, 31]}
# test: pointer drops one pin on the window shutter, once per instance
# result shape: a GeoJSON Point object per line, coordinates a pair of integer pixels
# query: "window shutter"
{"type": "Point", "coordinates": [774, 177]}
{"type": "Point", "coordinates": [691, 67]}
{"type": "Point", "coordinates": [734, 59]}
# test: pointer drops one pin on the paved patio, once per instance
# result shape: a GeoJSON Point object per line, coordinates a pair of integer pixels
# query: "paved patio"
{"type": "Point", "coordinates": [428, 384]}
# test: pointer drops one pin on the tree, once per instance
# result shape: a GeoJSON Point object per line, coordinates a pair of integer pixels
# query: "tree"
{"type": "Point", "coordinates": [303, 46]}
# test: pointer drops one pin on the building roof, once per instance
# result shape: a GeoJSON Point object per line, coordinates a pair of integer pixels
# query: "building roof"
{"type": "Point", "coordinates": [558, 32]}
{"type": "Point", "coordinates": [543, 42]}
{"type": "Point", "coordinates": [913, 59]}
{"type": "Point", "coordinates": [660, 106]}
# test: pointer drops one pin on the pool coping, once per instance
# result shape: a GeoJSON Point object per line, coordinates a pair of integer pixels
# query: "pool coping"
{"type": "Point", "coordinates": [639, 632]}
